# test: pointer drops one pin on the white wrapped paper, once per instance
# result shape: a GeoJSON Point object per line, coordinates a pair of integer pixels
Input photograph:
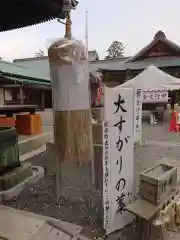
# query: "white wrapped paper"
{"type": "Point", "coordinates": [69, 74]}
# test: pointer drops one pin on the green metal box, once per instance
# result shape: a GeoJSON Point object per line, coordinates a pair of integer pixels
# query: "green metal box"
{"type": "Point", "coordinates": [9, 151]}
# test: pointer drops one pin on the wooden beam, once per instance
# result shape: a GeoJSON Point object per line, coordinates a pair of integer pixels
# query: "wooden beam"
{"type": "Point", "coordinates": [38, 86]}
{"type": "Point", "coordinates": [10, 86]}
{"type": "Point", "coordinates": [42, 100]}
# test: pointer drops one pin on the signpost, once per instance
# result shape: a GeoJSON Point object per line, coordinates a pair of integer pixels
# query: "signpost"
{"type": "Point", "coordinates": [138, 98]}
{"type": "Point", "coordinates": [118, 166]}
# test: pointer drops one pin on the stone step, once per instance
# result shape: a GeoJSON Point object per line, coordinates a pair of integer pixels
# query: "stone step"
{"type": "Point", "coordinates": [34, 142]}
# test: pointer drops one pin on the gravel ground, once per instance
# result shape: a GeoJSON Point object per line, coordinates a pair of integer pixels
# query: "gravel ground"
{"type": "Point", "coordinates": [41, 198]}
{"type": "Point", "coordinates": [159, 132]}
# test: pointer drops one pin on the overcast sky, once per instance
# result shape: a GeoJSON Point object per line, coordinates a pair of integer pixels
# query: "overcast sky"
{"type": "Point", "coordinates": [133, 22]}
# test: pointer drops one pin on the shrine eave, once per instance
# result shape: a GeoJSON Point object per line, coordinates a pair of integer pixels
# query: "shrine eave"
{"type": "Point", "coordinates": [138, 65]}
{"type": "Point", "coordinates": [16, 14]}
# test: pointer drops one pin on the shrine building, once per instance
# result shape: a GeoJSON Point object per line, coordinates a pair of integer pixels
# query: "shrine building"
{"type": "Point", "coordinates": [21, 85]}
{"type": "Point", "coordinates": [160, 52]}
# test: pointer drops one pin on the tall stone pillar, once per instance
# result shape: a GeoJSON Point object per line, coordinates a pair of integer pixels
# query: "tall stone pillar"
{"type": "Point", "coordinates": [72, 114]}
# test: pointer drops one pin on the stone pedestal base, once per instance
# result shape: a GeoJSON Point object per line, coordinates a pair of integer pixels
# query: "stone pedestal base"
{"type": "Point", "coordinates": [14, 177]}
{"type": "Point", "coordinates": [24, 176]}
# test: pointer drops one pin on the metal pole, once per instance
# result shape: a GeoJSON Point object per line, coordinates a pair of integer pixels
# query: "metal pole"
{"type": "Point", "coordinates": [58, 165]}
{"type": "Point", "coordinates": [86, 34]}
{"type": "Point", "coordinates": [87, 69]}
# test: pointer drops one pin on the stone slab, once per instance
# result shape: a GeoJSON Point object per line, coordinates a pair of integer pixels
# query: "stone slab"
{"type": "Point", "coordinates": [20, 225]}
{"type": "Point", "coordinates": [49, 232]}
{"type": "Point", "coordinates": [17, 227]}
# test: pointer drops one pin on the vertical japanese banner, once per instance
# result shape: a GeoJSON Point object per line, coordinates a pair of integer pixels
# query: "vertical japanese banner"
{"type": "Point", "coordinates": [118, 166]}
{"type": "Point", "coordinates": [106, 173]}
{"type": "Point", "coordinates": [138, 98]}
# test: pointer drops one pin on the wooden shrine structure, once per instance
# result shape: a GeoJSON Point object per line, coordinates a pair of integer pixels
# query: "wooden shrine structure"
{"type": "Point", "coordinates": [21, 85]}
{"type": "Point", "coordinates": [160, 52]}
{"type": "Point", "coordinates": [18, 13]}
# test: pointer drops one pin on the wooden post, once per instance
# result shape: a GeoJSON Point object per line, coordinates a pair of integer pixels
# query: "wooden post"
{"type": "Point", "coordinates": [72, 113]}
{"type": "Point", "coordinates": [68, 26]}
{"type": "Point", "coordinates": [21, 95]}
{"type": "Point", "coordinates": [42, 99]}
{"type": "Point", "coordinates": [128, 77]}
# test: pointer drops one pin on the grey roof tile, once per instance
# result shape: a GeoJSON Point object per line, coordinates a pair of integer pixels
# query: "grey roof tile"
{"type": "Point", "coordinates": [116, 65]}
{"type": "Point", "coordinates": [17, 69]}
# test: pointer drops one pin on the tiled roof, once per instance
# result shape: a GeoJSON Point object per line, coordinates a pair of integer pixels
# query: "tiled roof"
{"type": "Point", "coordinates": [22, 13]}
{"type": "Point", "coordinates": [159, 36]}
{"type": "Point", "coordinates": [107, 64]}
{"type": "Point", "coordinates": [11, 69]}
{"type": "Point", "coordinates": [29, 59]}
{"type": "Point", "coordinates": [41, 66]}
{"type": "Point", "coordinates": [117, 66]}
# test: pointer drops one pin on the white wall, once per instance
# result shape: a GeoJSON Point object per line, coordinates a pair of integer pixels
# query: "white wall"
{"type": "Point", "coordinates": [8, 95]}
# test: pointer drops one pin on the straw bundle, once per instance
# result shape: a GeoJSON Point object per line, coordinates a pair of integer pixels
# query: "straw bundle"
{"type": "Point", "coordinates": [73, 123]}
{"type": "Point", "coordinates": [73, 135]}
